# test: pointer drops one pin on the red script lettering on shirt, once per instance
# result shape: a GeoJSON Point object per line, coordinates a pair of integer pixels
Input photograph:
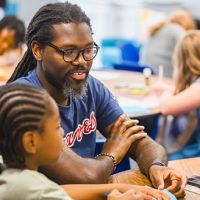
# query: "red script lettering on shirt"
{"type": "Point", "coordinates": [87, 127]}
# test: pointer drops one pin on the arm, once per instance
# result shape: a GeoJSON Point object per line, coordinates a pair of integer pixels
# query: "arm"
{"type": "Point", "coordinates": [71, 168]}
{"type": "Point", "coordinates": [180, 104]}
{"type": "Point", "coordinates": [100, 191]}
{"type": "Point", "coordinates": [146, 152]}
{"type": "Point", "coordinates": [137, 151]}
{"type": "Point", "coordinates": [129, 195]}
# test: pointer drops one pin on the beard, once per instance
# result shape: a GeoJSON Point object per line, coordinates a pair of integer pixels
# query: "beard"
{"type": "Point", "coordinates": [77, 93]}
{"type": "Point", "coordinates": [66, 87]}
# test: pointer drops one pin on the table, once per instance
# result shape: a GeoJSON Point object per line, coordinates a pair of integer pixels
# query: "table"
{"type": "Point", "coordinates": [189, 167]}
{"type": "Point", "coordinates": [135, 98]}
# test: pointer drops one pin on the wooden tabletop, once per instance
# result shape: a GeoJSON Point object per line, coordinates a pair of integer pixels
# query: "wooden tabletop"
{"type": "Point", "coordinates": [189, 167]}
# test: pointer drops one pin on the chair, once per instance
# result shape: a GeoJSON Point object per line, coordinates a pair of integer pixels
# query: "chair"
{"type": "Point", "coordinates": [186, 141]}
{"type": "Point", "coordinates": [131, 66]}
{"type": "Point", "coordinates": [129, 51]}
{"type": "Point", "coordinates": [118, 50]}
{"type": "Point", "coordinates": [110, 52]}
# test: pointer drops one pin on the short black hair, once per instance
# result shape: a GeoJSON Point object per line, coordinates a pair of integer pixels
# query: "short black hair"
{"type": "Point", "coordinates": [40, 29]}
{"type": "Point", "coordinates": [22, 108]}
{"type": "Point", "coordinates": [13, 23]}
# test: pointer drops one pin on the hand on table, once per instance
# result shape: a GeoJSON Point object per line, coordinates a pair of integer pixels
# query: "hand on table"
{"type": "Point", "coordinates": [136, 192]}
{"type": "Point", "coordinates": [123, 133]}
{"type": "Point", "coordinates": [168, 178]}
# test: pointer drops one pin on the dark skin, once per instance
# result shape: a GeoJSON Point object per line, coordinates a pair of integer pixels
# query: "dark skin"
{"type": "Point", "coordinates": [7, 40]}
{"type": "Point", "coordinates": [121, 137]}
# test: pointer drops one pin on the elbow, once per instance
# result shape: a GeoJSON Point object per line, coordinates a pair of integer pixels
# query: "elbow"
{"type": "Point", "coordinates": [165, 110]}
{"type": "Point", "coordinates": [169, 111]}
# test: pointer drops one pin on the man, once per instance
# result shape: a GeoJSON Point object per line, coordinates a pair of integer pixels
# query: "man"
{"type": "Point", "coordinates": [59, 57]}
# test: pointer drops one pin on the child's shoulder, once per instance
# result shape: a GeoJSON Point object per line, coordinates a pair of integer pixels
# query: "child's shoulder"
{"type": "Point", "coordinates": [28, 184]}
{"type": "Point", "coordinates": [19, 183]}
{"type": "Point", "coordinates": [23, 177]}
{"type": "Point", "coordinates": [15, 184]}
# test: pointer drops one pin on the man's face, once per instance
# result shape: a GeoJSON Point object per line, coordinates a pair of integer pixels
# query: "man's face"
{"type": "Point", "coordinates": [7, 40]}
{"type": "Point", "coordinates": [70, 77]}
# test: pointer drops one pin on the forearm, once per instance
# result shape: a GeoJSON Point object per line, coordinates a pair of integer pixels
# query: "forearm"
{"type": "Point", "coordinates": [97, 192]}
{"type": "Point", "coordinates": [71, 168]}
{"type": "Point", "coordinates": [145, 152]}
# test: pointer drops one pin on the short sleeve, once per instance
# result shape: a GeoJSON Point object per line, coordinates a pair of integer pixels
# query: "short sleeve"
{"type": "Point", "coordinates": [107, 107]}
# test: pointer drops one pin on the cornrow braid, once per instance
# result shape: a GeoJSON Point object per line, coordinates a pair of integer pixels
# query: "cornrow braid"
{"type": "Point", "coordinates": [22, 108]}
{"type": "Point", "coordinates": [41, 30]}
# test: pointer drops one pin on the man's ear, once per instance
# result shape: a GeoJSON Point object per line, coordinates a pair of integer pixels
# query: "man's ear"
{"type": "Point", "coordinates": [37, 50]}
{"type": "Point", "coordinates": [29, 142]}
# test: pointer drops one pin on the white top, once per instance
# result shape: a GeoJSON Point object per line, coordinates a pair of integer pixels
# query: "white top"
{"type": "Point", "coordinates": [16, 184]}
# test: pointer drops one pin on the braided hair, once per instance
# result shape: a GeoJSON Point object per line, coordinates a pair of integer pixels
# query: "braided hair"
{"type": "Point", "coordinates": [41, 30]}
{"type": "Point", "coordinates": [22, 108]}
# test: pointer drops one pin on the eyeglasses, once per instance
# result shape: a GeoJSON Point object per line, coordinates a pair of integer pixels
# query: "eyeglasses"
{"type": "Point", "coordinates": [71, 55]}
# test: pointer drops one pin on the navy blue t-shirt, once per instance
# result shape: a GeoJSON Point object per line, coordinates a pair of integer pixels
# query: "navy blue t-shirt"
{"type": "Point", "coordinates": [80, 119]}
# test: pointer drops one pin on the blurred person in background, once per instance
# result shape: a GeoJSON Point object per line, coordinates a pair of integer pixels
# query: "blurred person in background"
{"type": "Point", "coordinates": [185, 98]}
{"type": "Point", "coordinates": [12, 45]}
{"type": "Point", "coordinates": [158, 50]}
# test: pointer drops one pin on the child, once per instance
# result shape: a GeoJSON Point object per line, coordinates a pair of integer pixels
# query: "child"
{"type": "Point", "coordinates": [30, 136]}
{"type": "Point", "coordinates": [185, 98]}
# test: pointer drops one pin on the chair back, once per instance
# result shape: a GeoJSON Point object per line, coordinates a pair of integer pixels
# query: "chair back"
{"type": "Point", "coordinates": [130, 51]}
{"type": "Point", "coordinates": [131, 66]}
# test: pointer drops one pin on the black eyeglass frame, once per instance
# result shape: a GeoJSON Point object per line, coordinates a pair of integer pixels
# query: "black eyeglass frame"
{"type": "Point", "coordinates": [62, 51]}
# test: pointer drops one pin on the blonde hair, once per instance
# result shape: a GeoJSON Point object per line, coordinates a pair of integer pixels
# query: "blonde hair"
{"type": "Point", "coordinates": [180, 17]}
{"type": "Point", "coordinates": [187, 60]}
{"type": "Point", "coordinates": [184, 19]}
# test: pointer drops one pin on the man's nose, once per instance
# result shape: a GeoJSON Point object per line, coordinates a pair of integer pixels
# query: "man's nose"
{"type": "Point", "coordinates": [80, 59]}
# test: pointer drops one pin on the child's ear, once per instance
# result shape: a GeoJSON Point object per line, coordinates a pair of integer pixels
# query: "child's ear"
{"type": "Point", "coordinates": [36, 50]}
{"type": "Point", "coordinates": [29, 142]}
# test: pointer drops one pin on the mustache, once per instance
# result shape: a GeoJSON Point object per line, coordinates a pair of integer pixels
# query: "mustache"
{"type": "Point", "coordinates": [75, 70]}
{"type": "Point", "coordinates": [78, 69]}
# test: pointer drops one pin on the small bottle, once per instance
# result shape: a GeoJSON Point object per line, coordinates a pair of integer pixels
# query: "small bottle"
{"type": "Point", "coordinates": [147, 76]}
{"type": "Point", "coordinates": [160, 73]}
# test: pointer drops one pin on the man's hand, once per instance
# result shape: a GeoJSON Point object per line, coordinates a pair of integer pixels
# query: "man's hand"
{"type": "Point", "coordinates": [168, 178]}
{"type": "Point", "coordinates": [123, 133]}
